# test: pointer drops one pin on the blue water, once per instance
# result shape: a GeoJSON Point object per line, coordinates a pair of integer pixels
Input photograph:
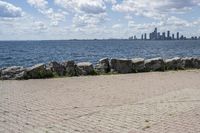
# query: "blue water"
{"type": "Point", "coordinates": [27, 53]}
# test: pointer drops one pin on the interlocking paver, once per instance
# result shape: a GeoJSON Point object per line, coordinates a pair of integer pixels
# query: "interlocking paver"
{"type": "Point", "coordinates": [136, 103]}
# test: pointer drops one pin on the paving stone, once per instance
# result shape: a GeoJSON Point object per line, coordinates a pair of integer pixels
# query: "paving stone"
{"type": "Point", "coordinates": [60, 105]}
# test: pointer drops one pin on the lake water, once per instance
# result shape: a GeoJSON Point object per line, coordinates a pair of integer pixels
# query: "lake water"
{"type": "Point", "coordinates": [27, 53]}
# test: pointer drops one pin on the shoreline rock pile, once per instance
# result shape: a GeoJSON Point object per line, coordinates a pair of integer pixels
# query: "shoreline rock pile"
{"type": "Point", "coordinates": [104, 66]}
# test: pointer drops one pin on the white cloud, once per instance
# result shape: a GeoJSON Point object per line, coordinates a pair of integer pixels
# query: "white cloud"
{"type": "Point", "coordinates": [95, 19]}
{"type": "Point", "coordinates": [196, 22]}
{"type": "Point", "coordinates": [42, 6]}
{"type": "Point", "coordinates": [128, 17]}
{"type": "Point", "coordinates": [116, 26]}
{"type": "Point", "coordinates": [110, 1]}
{"type": "Point", "coordinates": [177, 22]}
{"type": "Point", "coordinates": [171, 22]}
{"type": "Point", "coordinates": [156, 9]}
{"type": "Point", "coordinates": [91, 6]}
{"type": "Point", "coordinates": [38, 3]}
{"type": "Point", "coordinates": [88, 20]}
{"type": "Point", "coordinates": [8, 10]}
{"type": "Point", "coordinates": [86, 13]}
{"type": "Point", "coordinates": [84, 6]}
{"type": "Point", "coordinates": [39, 26]}
{"type": "Point", "coordinates": [55, 17]}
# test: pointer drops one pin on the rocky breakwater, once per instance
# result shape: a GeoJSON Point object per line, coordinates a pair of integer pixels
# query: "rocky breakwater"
{"type": "Point", "coordinates": [121, 65]}
{"type": "Point", "coordinates": [155, 64]}
{"type": "Point", "coordinates": [14, 72]}
{"type": "Point", "coordinates": [105, 65]}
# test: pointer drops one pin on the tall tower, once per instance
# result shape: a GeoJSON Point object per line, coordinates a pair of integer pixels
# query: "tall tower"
{"type": "Point", "coordinates": [177, 36]}
{"type": "Point", "coordinates": [158, 36]}
{"type": "Point", "coordinates": [163, 36]}
{"type": "Point", "coordinates": [145, 36]}
{"type": "Point", "coordinates": [172, 36]}
{"type": "Point", "coordinates": [155, 33]}
{"type": "Point", "coordinates": [168, 34]}
{"type": "Point", "coordinates": [150, 36]}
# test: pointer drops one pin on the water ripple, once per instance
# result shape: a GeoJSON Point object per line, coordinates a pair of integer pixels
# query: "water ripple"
{"type": "Point", "coordinates": [27, 53]}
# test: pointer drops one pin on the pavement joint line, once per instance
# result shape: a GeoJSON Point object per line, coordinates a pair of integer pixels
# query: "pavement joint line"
{"type": "Point", "coordinates": [79, 116]}
{"type": "Point", "coordinates": [111, 106]}
{"type": "Point", "coordinates": [170, 117]}
{"type": "Point", "coordinates": [158, 107]}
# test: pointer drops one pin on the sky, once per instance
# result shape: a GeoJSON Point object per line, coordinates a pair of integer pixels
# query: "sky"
{"type": "Point", "coordinates": [95, 19]}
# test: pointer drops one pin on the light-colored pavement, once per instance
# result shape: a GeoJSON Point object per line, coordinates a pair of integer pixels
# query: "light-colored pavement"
{"type": "Point", "coordinates": [166, 102]}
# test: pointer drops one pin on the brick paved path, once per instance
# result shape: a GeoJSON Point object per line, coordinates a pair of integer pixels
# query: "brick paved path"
{"type": "Point", "coordinates": [136, 103]}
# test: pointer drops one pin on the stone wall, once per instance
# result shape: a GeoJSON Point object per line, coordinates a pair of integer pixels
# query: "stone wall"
{"type": "Point", "coordinates": [104, 66]}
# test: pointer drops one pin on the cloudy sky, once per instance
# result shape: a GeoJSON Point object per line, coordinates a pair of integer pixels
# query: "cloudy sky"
{"type": "Point", "coordinates": [89, 19]}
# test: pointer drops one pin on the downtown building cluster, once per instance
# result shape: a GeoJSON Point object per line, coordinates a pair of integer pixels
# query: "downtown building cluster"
{"type": "Point", "coordinates": [155, 35]}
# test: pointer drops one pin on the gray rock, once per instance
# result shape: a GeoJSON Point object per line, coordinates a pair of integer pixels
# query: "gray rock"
{"type": "Point", "coordinates": [155, 64]}
{"type": "Point", "coordinates": [196, 62]}
{"type": "Point", "coordinates": [174, 64]}
{"type": "Point", "coordinates": [11, 70]}
{"type": "Point", "coordinates": [21, 75]}
{"type": "Point", "coordinates": [70, 68]}
{"type": "Point", "coordinates": [56, 68]}
{"type": "Point", "coordinates": [39, 71]}
{"type": "Point", "coordinates": [86, 68]}
{"type": "Point", "coordinates": [1, 69]}
{"type": "Point", "coordinates": [14, 72]}
{"type": "Point", "coordinates": [103, 66]}
{"type": "Point", "coordinates": [121, 65]}
{"type": "Point", "coordinates": [138, 64]}
{"type": "Point", "coordinates": [191, 62]}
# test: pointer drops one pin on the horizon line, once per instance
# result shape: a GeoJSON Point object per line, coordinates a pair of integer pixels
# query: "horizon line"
{"type": "Point", "coordinates": [188, 39]}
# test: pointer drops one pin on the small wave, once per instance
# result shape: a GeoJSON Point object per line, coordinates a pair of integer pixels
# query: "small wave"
{"type": "Point", "coordinates": [6, 58]}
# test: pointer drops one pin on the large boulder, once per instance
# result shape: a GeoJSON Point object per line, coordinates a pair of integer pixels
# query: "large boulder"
{"type": "Point", "coordinates": [85, 68]}
{"type": "Point", "coordinates": [56, 68]}
{"type": "Point", "coordinates": [103, 66]}
{"type": "Point", "coordinates": [39, 71]}
{"type": "Point", "coordinates": [1, 69]}
{"type": "Point", "coordinates": [138, 65]}
{"type": "Point", "coordinates": [196, 62]}
{"type": "Point", "coordinates": [155, 64]}
{"type": "Point", "coordinates": [191, 62]}
{"type": "Point", "coordinates": [174, 64]}
{"type": "Point", "coordinates": [70, 68]}
{"type": "Point", "coordinates": [121, 65]}
{"type": "Point", "coordinates": [14, 72]}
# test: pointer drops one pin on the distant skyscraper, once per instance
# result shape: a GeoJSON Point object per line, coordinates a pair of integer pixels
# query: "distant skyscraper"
{"type": "Point", "coordinates": [182, 37]}
{"type": "Point", "coordinates": [173, 37]}
{"type": "Point", "coordinates": [142, 37]}
{"type": "Point", "coordinates": [145, 36]}
{"type": "Point", "coordinates": [177, 36]}
{"type": "Point", "coordinates": [155, 36]}
{"type": "Point", "coordinates": [163, 36]}
{"type": "Point", "coordinates": [168, 34]}
{"type": "Point", "coordinates": [158, 36]}
{"type": "Point", "coordinates": [156, 30]}
{"type": "Point", "coordinates": [150, 36]}
{"type": "Point", "coordinates": [130, 38]}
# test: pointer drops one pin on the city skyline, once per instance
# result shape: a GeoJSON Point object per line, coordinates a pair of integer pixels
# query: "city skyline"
{"type": "Point", "coordinates": [168, 35]}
